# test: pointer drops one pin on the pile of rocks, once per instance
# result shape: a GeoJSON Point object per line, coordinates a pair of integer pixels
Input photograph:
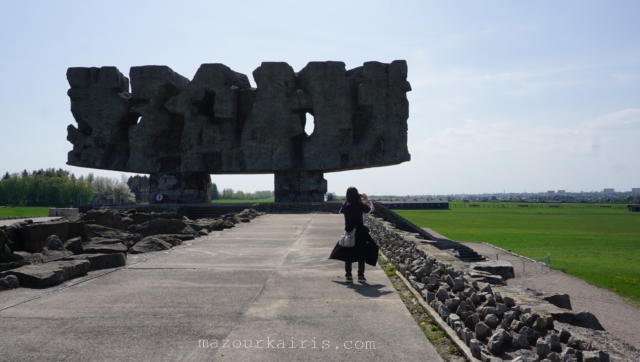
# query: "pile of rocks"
{"type": "Point", "coordinates": [50, 253]}
{"type": "Point", "coordinates": [17, 217]}
{"type": "Point", "coordinates": [492, 324]}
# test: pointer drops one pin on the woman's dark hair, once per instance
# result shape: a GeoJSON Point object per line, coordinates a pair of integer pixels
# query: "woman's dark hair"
{"type": "Point", "coordinates": [353, 196]}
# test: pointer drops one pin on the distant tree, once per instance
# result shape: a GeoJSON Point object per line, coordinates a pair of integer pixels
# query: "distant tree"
{"type": "Point", "coordinates": [82, 191]}
{"type": "Point", "coordinates": [102, 188]}
{"type": "Point", "coordinates": [6, 176]}
{"type": "Point", "coordinates": [139, 185]}
{"type": "Point", "coordinates": [259, 195]}
{"type": "Point", "coordinates": [227, 193]}
{"type": "Point", "coordinates": [215, 194]}
{"type": "Point", "coordinates": [121, 193]}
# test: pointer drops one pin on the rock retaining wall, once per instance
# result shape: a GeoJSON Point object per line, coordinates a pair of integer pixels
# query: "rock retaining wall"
{"type": "Point", "coordinates": [491, 320]}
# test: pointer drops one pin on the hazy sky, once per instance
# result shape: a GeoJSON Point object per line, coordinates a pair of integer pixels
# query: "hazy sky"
{"type": "Point", "coordinates": [506, 95]}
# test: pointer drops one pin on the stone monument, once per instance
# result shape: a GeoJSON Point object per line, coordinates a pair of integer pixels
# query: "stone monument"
{"type": "Point", "coordinates": [180, 131]}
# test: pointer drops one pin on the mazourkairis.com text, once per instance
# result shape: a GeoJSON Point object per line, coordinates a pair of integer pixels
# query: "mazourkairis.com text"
{"type": "Point", "coordinates": [269, 343]}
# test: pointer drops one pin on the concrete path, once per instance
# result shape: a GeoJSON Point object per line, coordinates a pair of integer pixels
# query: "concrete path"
{"type": "Point", "coordinates": [616, 316]}
{"type": "Point", "coordinates": [263, 291]}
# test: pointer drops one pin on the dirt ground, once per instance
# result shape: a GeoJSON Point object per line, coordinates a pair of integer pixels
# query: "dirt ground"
{"type": "Point", "coordinates": [616, 316]}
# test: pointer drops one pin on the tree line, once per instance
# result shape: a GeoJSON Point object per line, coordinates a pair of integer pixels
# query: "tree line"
{"type": "Point", "coordinates": [44, 187]}
{"type": "Point", "coordinates": [230, 194]}
{"type": "Point", "coordinates": [51, 187]}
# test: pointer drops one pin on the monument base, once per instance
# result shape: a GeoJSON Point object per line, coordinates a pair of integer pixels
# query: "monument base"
{"type": "Point", "coordinates": [300, 186]}
{"type": "Point", "coordinates": [180, 188]}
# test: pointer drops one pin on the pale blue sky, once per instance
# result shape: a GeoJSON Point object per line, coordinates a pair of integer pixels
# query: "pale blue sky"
{"type": "Point", "coordinates": [506, 95]}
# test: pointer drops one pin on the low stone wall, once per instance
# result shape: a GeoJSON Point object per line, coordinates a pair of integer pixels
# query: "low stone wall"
{"type": "Point", "coordinates": [487, 319]}
{"type": "Point", "coordinates": [400, 222]}
{"type": "Point", "coordinates": [148, 208]}
{"type": "Point", "coordinates": [298, 207]}
{"type": "Point", "coordinates": [267, 207]}
{"type": "Point", "coordinates": [19, 217]}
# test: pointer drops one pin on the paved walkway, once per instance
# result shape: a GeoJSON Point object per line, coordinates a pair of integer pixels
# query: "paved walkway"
{"type": "Point", "coordinates": [616, 316]}
{"type": "Point", "coordinates": [256, 292]}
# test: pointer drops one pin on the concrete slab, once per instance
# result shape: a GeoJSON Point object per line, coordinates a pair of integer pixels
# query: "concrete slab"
{"type": "Point", "coordinates": [219, 257]}
{"type": "Point", "coordinates": [340, 330]}
{"type": "Point", "coordinates": [317, 259]}
{"type": "Point", "coordinates": [266, 279]}
{"type": "Point", "coordinates": [328, 285]}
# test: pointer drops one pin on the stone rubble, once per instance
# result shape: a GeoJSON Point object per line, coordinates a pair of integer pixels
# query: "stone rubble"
{"type": "Point", "coordinates": [491, 323]}
{"type": "Point", "coordinates": [54, 250]}
{"type": "Point", "coordinates": [9, 282]}
{"type": "Point", "coordinates": [95, 240]}
{"type": "Point", "coordinates": [49, 274]}
{"type": "Point", "coordinates": [74, 245]}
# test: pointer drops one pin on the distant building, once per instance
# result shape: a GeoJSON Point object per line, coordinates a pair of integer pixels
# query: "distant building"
{"type": "Point", "coordinates": [636, 190]}
{"type": "Point", "coordinates": [551, 192]}
{"type": "Point", "coordinates": [608, 191]}
{"type": "Point", "coordinates": [562, 192]}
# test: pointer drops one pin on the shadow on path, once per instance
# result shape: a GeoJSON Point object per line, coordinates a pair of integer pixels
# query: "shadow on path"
{"type": "Point", "coordinates": [366, 290]}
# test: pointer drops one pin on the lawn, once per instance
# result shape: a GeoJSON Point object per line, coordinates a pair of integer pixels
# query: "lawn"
{"type": "Point", "coordinates": [13, 211]}
{"type": "Point", "coordinates": [601, 246]}
{"type": "Point", "coordinates": [235, 201]}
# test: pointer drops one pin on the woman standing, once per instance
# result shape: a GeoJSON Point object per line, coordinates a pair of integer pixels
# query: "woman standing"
{"type": "Point", "coordinates": [353, 209]}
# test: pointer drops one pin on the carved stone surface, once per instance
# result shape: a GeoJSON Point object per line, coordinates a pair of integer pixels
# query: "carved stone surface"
{"type": "Point", "coordinates": [185, 187]}
{"type": "Point", "coordinates": [300, 186]}
{"type": "Point", "coordinates": [100, 104]}
{"type": "Point", "coordinates": [181, 131]}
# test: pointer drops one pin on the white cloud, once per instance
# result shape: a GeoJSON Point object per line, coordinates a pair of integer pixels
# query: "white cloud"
{"type": "Point", "coordinates": [622, 120]}
{"type": "Point", "coordinates": [438, 43]}
{"type": "Point", "coordinates": [626, 77]}
{"type": "Point", "coordinates": [475, 138]}
{"type": "Point", "coordinates": [472, 138]}
{"type": "Point", "coordinates": [539, 86]}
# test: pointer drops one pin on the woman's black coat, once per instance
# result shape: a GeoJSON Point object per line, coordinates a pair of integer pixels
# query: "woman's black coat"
{"type": "Point", "coordinates": [365, 248]}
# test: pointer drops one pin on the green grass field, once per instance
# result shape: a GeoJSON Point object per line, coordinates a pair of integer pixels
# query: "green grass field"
{"type": "Point", "coordinates": [15, 211]}
{"type": "Point", "coordinates": [601, 246]}
{"type": "Point", "coordinates": [234, 201]}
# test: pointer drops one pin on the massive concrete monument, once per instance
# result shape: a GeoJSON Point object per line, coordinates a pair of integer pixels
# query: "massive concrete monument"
{"type": "Point", "coordinates": [181, 131]}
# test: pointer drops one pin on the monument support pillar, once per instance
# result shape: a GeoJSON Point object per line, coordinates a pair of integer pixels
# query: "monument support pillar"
{"type": "Point", "coordinates": [300, 186]}
{"type": "Point", "coordinates": [181, 187]}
